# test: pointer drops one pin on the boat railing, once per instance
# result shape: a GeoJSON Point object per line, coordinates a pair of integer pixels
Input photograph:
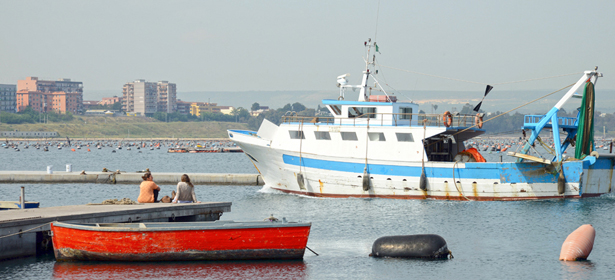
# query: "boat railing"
{"type": "Point", "coordinates": [385, 119]}
{"type": "Point", "coordinates": [533, 120]}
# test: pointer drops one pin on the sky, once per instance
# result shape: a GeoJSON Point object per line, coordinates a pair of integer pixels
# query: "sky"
{"type": "Point", "coordinates": [304, 45]}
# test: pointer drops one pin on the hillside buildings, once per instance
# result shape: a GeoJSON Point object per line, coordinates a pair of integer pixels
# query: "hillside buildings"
{"type": "Point", "coordinates": [59, 96]}
{"type": "Point", "coordinates": [196, 108]}
{"type": "Point", "coordinates": [8, 98]}
{"type": "Point", "coordinates": [145, 98]}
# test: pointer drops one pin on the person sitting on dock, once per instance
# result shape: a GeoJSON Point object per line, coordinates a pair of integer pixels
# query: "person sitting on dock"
{"type": "Point", "coordinates": [185, 191]}
{"type": "Point", "coordinates": [149, 189]}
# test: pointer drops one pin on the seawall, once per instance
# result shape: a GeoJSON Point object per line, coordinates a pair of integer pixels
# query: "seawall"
{"type": "Point", "coordinates": [161, 178]}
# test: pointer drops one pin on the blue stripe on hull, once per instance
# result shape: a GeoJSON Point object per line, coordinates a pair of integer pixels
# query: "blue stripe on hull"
{"type": "Point", "coordinates": [510, 172]}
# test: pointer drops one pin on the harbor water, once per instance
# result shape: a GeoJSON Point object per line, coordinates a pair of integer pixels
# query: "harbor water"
{"type": "Point", "coordinates": [489, 240]}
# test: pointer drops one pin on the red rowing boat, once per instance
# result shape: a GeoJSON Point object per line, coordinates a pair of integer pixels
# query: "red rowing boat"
{"type": "Point", "coordinates": [218, 240]}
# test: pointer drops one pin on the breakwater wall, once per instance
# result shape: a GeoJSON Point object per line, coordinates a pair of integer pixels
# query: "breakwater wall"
{"type": "Point", "coordinates": [161, 178]}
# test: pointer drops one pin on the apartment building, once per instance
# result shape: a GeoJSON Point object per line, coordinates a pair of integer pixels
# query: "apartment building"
{"type": "Point", "coordinates": [167, 97]}
{"type": "Point", "coordinates": [143, 98]}
{"type": "Point", "coordinates": [183, 107]}
{"type": "Point", "coordinates": [197, 108]}
{"type": "Point", "coordinates": [59, 96]}
{"type": "Point", "coordinates": [8, 98]}
{"type": "Point", "coordinates": [43, 102]}
{"type": "Point", "coordinates": [110, 100]}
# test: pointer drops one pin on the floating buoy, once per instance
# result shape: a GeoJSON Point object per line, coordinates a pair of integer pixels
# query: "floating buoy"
{"type": "Point", "coordinates": [579, 244]}
{"type": "Point", "coordinates": [423, 246]}
{"type": "Point", "coordinates": [72, 150]}
{"type": "Point", "coordinates": [88, 150]}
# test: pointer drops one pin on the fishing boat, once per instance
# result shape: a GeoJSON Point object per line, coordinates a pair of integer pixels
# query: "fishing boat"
{"type": "Point", "coordinates": [5, 205]}
{"type": "Point", "coordinates": [218, 240]}
{"type": "Point", "coordinates": [377, 146]}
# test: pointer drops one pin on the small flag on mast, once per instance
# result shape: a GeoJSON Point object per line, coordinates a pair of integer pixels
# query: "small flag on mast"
{"type": "Point", "coordinates": [376, 47]}
{"type": "Point", "coordinates": [487, 90]}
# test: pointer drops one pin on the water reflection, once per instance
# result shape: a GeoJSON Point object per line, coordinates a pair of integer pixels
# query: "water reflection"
{"type": "Point", "coordinates": [184, 270]}
{"type": "Point", "coordinates": [578, 269]}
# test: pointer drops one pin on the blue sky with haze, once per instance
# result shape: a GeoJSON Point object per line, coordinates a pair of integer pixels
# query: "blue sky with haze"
{"type": "Point", "coordinates": [305, 45]}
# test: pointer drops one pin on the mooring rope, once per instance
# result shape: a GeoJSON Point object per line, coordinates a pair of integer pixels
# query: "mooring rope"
{"type": "Point", "coordinates": [455, 182]}
{"type": "Point", "coordinates": [21, 232]}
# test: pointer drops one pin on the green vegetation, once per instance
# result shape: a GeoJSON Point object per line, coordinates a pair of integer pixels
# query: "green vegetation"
{"type": "Point", "coordinates": [30, 116]}
{"type": "Point", "coordinates": [122, 127]}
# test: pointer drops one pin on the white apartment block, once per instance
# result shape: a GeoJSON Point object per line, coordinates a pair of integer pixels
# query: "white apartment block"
{"type": "Point", "coordinates": [141, 97]}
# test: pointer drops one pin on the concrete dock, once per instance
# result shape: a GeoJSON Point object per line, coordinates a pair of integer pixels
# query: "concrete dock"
{"type": "Point", "coordinates": [12, 222]}
{"type": "Point", "coordinates": [161, 178]}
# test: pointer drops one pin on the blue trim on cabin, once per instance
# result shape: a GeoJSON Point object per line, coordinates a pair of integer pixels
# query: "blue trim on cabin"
{"type": "Point", "coordinates": [526, 172]}
{"type": "Point", "coordinates": [361, 103]}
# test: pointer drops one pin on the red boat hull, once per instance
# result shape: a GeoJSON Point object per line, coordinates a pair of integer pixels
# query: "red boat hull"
{"type": "Point", "coordinates": [203, 244]}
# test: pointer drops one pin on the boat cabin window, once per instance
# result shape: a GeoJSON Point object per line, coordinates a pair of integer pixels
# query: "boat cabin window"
{"type": "Point", "coordinates": [335, 109]}
{"type": "Point", "coordinates": [322, 135]}
{"type": "Point", "coordinates": [405, 113]}
{"type": "Point", "coordinates": [295, 134]}
{"type": "Point", "coordinates": [362, 112]}
{"type": "Point", "coordinates": [376, 136]}
{"type": "Point", "coordinates": [349, 136]}
{"type": "Point", "coordinates": [404, 137]}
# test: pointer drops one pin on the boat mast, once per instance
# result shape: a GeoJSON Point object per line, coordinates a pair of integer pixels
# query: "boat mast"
{"type": "Point", "coordinates": [363, 94]}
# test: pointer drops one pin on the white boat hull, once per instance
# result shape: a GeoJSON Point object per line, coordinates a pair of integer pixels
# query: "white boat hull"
{"type": "Point", "coordinates": [342, 177]}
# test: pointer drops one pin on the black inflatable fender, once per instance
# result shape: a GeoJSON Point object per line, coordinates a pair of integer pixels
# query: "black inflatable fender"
{"type": "Point", "coordinates": [429, 246]}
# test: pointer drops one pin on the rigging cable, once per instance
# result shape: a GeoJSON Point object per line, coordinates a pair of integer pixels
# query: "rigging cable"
{"type": "Point", "coordinates": [520, 106]}
{"type": "Point", "coordinates": [480, 83]}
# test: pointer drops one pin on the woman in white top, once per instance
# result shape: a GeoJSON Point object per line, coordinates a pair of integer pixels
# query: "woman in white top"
{"type": "Point", "coordinates": [185, 191]}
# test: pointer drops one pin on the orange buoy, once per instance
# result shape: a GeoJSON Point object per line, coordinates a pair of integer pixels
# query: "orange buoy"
{"type": "Point", "coordinates": [88, 150]}
{"type": "Point", "coordinates": [579, 244]}
{"type": "Point", "coordinates": [72, 150]}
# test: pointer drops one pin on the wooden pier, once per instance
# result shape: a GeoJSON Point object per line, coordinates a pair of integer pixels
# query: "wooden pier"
{"type": "Point", "coordinates": [26, 232]}
{"type": "Point", "coordinates": [161, 178]}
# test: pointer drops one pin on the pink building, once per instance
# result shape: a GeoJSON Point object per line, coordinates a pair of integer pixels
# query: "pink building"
{"type": "Point", "coordinates": [42, 102]}
{"type": "Point", "coordinates": [59, 96]}
{"type": "Point", "coordinates": [110, 100]}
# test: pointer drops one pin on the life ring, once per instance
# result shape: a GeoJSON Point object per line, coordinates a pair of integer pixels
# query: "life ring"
{"type": "Point", "coordinates": [447, 118]}
{"type": "Point", "coordinates": [478, 120]}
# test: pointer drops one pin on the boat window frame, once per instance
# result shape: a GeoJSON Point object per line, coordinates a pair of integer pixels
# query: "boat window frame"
{"type": "Point", "coordinates": [347, 133]}
{"type": "Point", "coordinates": [296, 134]}
{"type": "Point", "coordinates": [381, 137]}
{"type": "Point", "coordinates": [320, 135]}
{"type": "Point", "coordinates": [335, 109]}
{"type": "Point", "coordinates": [404, 115]}
{"type": "Point", "coordinates": [409, 139]}
{"type": "Point", "coordinates": [362, 112]}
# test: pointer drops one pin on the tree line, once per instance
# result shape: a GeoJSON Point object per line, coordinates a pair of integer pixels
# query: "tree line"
{"type": "Point", "coordinates": [28, 115]}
